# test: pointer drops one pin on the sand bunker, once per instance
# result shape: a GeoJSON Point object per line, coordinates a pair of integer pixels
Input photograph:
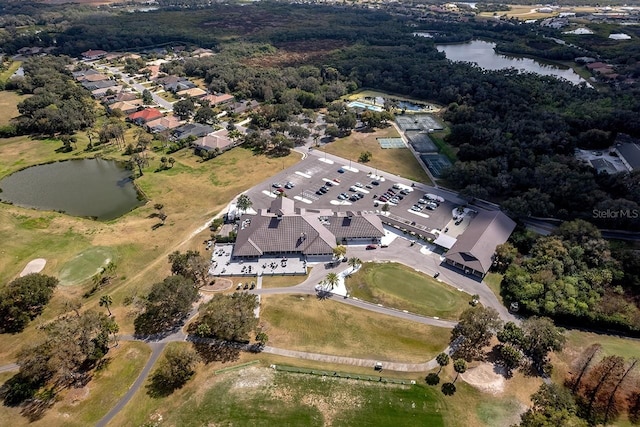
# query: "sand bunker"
{"type": "Point", "coordinates": [34, 266]}
{"type": "Point", "coordinates": [485, 378]}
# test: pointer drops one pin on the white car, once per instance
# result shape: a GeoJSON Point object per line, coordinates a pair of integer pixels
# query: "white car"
{"type": "Point", "coordinates": [353, 188]}
{"type": "Point", "coordinates": [357, 184]}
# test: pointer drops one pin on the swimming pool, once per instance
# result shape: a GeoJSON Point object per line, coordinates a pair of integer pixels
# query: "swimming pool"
{"type": "Point", "coordinates": [359, 104]}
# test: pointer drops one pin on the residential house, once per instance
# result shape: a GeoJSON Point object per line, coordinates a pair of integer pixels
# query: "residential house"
{"type": "Point", "coordinates": [218, 99]}
{"type": "Point", "coordinates": [191, 129]}
{"type": "Point", "coordinates": [217, 140]}
{"type": "Point", "coordinates": [127, 107]}
{"type": "Point", "coordinates": [143, 116]}
{"type": "Point", "coordinates": [163, 123]}
{"type": "Point", "coordinates": [102, 92]}
{"type": "Point", "coordinates": [194, 92]}
{"type": "Point", "coordinates": [93, 54]}
{"type": "Point", "coordinates": [474, 250]}
{"type": "Point", "coordinates": [100, 84]}
{"type": "Point", "coordinates": [120, 97]}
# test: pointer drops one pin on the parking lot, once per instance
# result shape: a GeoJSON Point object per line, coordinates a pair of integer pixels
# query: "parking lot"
{"type": "Point", "coordinates": [319, 182]}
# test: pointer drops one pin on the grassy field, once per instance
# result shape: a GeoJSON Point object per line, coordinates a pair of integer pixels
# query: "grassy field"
{"type": "Point", "coordinates": [282, 281]}
{"type": "Point", "coordinates": [260, 396]}
{"type": "Point", "coordinates": [334, 328]}
{"type": "Point", "coordinates": [493, 280]}
{"type": "Point", "coordinates": [8, 106]}
{"type": "Point", "coordinates": [398, 161]}
{"type": "Point", "coordinates": [10, 70]}
{"type": "Point", "coordinates": [526, 12]}
{"type": "Point", "coordinates": [395, 285]}
{"type": "Point", "coordinates": [85, 265]}
{"type": "Point", "coordinates": [85, 406]}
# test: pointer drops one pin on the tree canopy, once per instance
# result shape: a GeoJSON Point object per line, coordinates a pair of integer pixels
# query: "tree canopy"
{"type": "Point", "coordinates": [227, 317]}
{"type": "Point", "coordinates": [23, 299]}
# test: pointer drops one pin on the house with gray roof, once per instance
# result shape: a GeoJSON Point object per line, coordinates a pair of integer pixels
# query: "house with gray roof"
{"type": "Point", "coordinates": [474, 250]}
{"type": "Point", "coordinates": [282, 229]}
{"type": "Point", "coordinates": [628, 149]}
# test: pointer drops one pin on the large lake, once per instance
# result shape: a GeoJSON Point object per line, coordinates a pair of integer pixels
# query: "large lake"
{"type": "Point", "coordinates": [481, 53]}
{"type": "Point", "coordinates": [94, 188]}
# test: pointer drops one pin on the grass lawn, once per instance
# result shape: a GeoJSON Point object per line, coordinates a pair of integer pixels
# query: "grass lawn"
{"type": "Point", "coordinates": [8, 106]}
{"type": "Point", "coordinates": [334, 328]}
{"type": "Point", "coordinates": [10, 70]}
{"type": "Point", "coordinates": [260, 396]}
{"type": "Point", "coordinates": [395, 285]}
{"type": "Point", "coordinates": [493, 280]}
{"type": "Point", "coordinates": [398, 161]}
{"type": "Point", "coordinates": [85, 406]}
{"type": "Point", "coordinates": [85, 265]}
{"type": "Point", "coordinates": [283, 281]}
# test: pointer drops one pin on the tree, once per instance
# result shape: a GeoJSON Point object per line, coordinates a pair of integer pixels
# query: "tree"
{"type": "Point", "coordinates": [432, 379]}
{"type": "Point", "coordinates": [460, 366]}
{"type": "Point", "coordinates": [139, 161]}
{"type": "Point", "coordinates": [354, 262]}
{"type": "Point", "coordinates": [443, 360]}
{"type": "Point", "coordinates": [332, 279]}
{"type": "Point", "coordinates": [510, 358]}
{"type": "Point", "coordinates": [506, 253]}
{"type": "Point", "coordinates": [553, 405]}
{"type": "Point", "coordinates": [191, 265]}
{"type": "Point", "coordinates": [23, 299]}
{"type": "Point", "coordinates": [167, 304]}
{"type": "Point", "coordinates": [205, 115]}
{"type": "Point", "coordinates": [583, 364]}
{"type": "Point", "coordinates": [365, 157]}
{"type": "Point", "coordinates": [339, 251]}
{"type": "Point", "coordinates": [227, 317]}
{"type": "Point", "coordinates": [541, 337]}
{"type": "Point", "coordinates": [171, 161]}
{"type": "Point", "coordinates": [173, 372]}
{"type": "Point", "coordinates": [244, 202]}
{"type": "Point", "coordinates": [106, 301]}
{"type": "Point", "coordinates": [474, 331]}
{"type": "Point", "coordinates": [147, 97]}
{"type": "Point", "coordinates": [184, 108]}
{"type": "Point", "coordinates": [448, 389]}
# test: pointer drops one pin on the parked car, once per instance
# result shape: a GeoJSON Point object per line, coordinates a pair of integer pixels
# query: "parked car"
{"type": "Point", "coordinates": [357, 184]}
{"type": "Point", "coordinates": [354, 198]}
{"type": "Point", "coordinates": [276, 185]}
{"type": "Point", "coordinates": [328, 184]}
{"type": "Point", "coordinates": [375, 182]}
{"type": "Point", "coordinates": [369, 186]}
{"type": "Point", "coordinates": [371, 247]}
{"type": "Point", "coordinates": [289, 185]}
{"type": "Point", "coordinates": [353, 188]}
{"type": "Point", "coordinates": [360, 195]}
{"type": "Point", "coordinates": [340, 170]}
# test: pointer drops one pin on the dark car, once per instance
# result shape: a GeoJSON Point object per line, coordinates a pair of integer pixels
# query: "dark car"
{"type": "Point", "coordinates": [340, 170]}
{"type": "Point", "coordinates": [371, 247]}
{"type": "Point", "coordinates": [375, 183]}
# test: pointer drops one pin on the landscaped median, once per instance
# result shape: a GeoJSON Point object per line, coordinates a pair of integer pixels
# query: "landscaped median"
{"type": "Point", "coordinates": [400, 287]}
{"type": "Point", "coordinates": [306, 323]}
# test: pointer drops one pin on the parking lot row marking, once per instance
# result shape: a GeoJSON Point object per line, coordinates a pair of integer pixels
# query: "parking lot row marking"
{"type": "Point", "coordinates": [303, 174]}
{"type": "Point", "coordinates": [362, 190]}
{"type": "Point", "coordinates": [331, 181]}
{"type": "Point", "coordinates": [303, 200]}
{"type": "Point", "coordinates": [327, 161]}
{"type": "Point", "coordinates": [340, 202]}
{"type": "Point", "coordinates": [269, 193]}
{"type": "Point", "coordinates": [350, 169]}
{"type": "Point", "coordinates": [418, 213]}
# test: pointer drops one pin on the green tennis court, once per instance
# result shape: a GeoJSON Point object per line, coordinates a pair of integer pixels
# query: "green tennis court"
{"type": "Point", "coordinates": [391, 143]}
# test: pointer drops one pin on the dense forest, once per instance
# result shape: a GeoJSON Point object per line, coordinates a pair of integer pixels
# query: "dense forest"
{"type": "Point", "coordinates": [515, 133]}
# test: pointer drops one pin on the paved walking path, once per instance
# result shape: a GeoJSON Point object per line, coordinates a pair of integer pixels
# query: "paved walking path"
{"type": "Point", "coordinates": [368, 363]}
{"type": "Point", "coordinates": [10, 367]}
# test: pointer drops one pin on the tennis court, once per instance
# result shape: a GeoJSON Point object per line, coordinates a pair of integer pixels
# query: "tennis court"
{"type": "Point", "coordinates": [421, 142]}
{"type": "Point", "coordinates": [436, 163]}
{"type": "Point", "coordinates": [418, 122]}
{"type": "Point", "coordinates": [391, 143]}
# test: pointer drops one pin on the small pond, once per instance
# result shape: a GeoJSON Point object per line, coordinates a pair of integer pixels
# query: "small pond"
{"type": "Point", "coordinates": [95, 188]}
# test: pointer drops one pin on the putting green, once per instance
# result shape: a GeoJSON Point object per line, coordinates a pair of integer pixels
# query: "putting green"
{"type": "Point", "coordinates": [84, 265]}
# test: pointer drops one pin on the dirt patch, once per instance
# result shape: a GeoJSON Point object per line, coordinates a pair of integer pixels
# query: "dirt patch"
{"type": "Point", "coordinates": [253, 378]}
{"type": "Point", "coordinates": [293, 53]}
{"type": "Point", "coordinates": [485, 378]}
{"type": "Point", "coordinates": [220, 284]}
{"type": "Point", "coordinates": [77, 395]}
{"type": "Point", "coordinates": [34, 266]}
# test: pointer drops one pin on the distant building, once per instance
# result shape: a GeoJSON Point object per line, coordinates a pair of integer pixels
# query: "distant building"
{"type": "Point", "coordinates": [473, 252]}
{"type": "Point", "coordinates": [629, 151]}
{"type": "Point", "coordinates": [93, 54]}
{"type": "Point", "coordinates": [163, 123]}
{"type": "Point", "coordinates": [217, 140]}
{"type": "Point", "coordinates": [191, 129]}
{"type": "Point", "coordinates": [219, 99]}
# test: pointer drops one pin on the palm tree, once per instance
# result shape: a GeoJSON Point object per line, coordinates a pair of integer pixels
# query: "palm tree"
{"type": "Point", "coordinates": [443, 360]}
{"type": "Point", "coordinates": [460, 366]}
{"type": "Point", "coordinates": [354, 262]}
{"type": "Point", "coordinates": [106, 301]}
{"type": "Point", "coordinates": [339, 251]}
{"type": "Point", "coordinates": [332, 279]}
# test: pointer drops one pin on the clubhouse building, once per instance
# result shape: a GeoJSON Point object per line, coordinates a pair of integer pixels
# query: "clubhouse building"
{"type": "Point", "coordinates": [283, 229]}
